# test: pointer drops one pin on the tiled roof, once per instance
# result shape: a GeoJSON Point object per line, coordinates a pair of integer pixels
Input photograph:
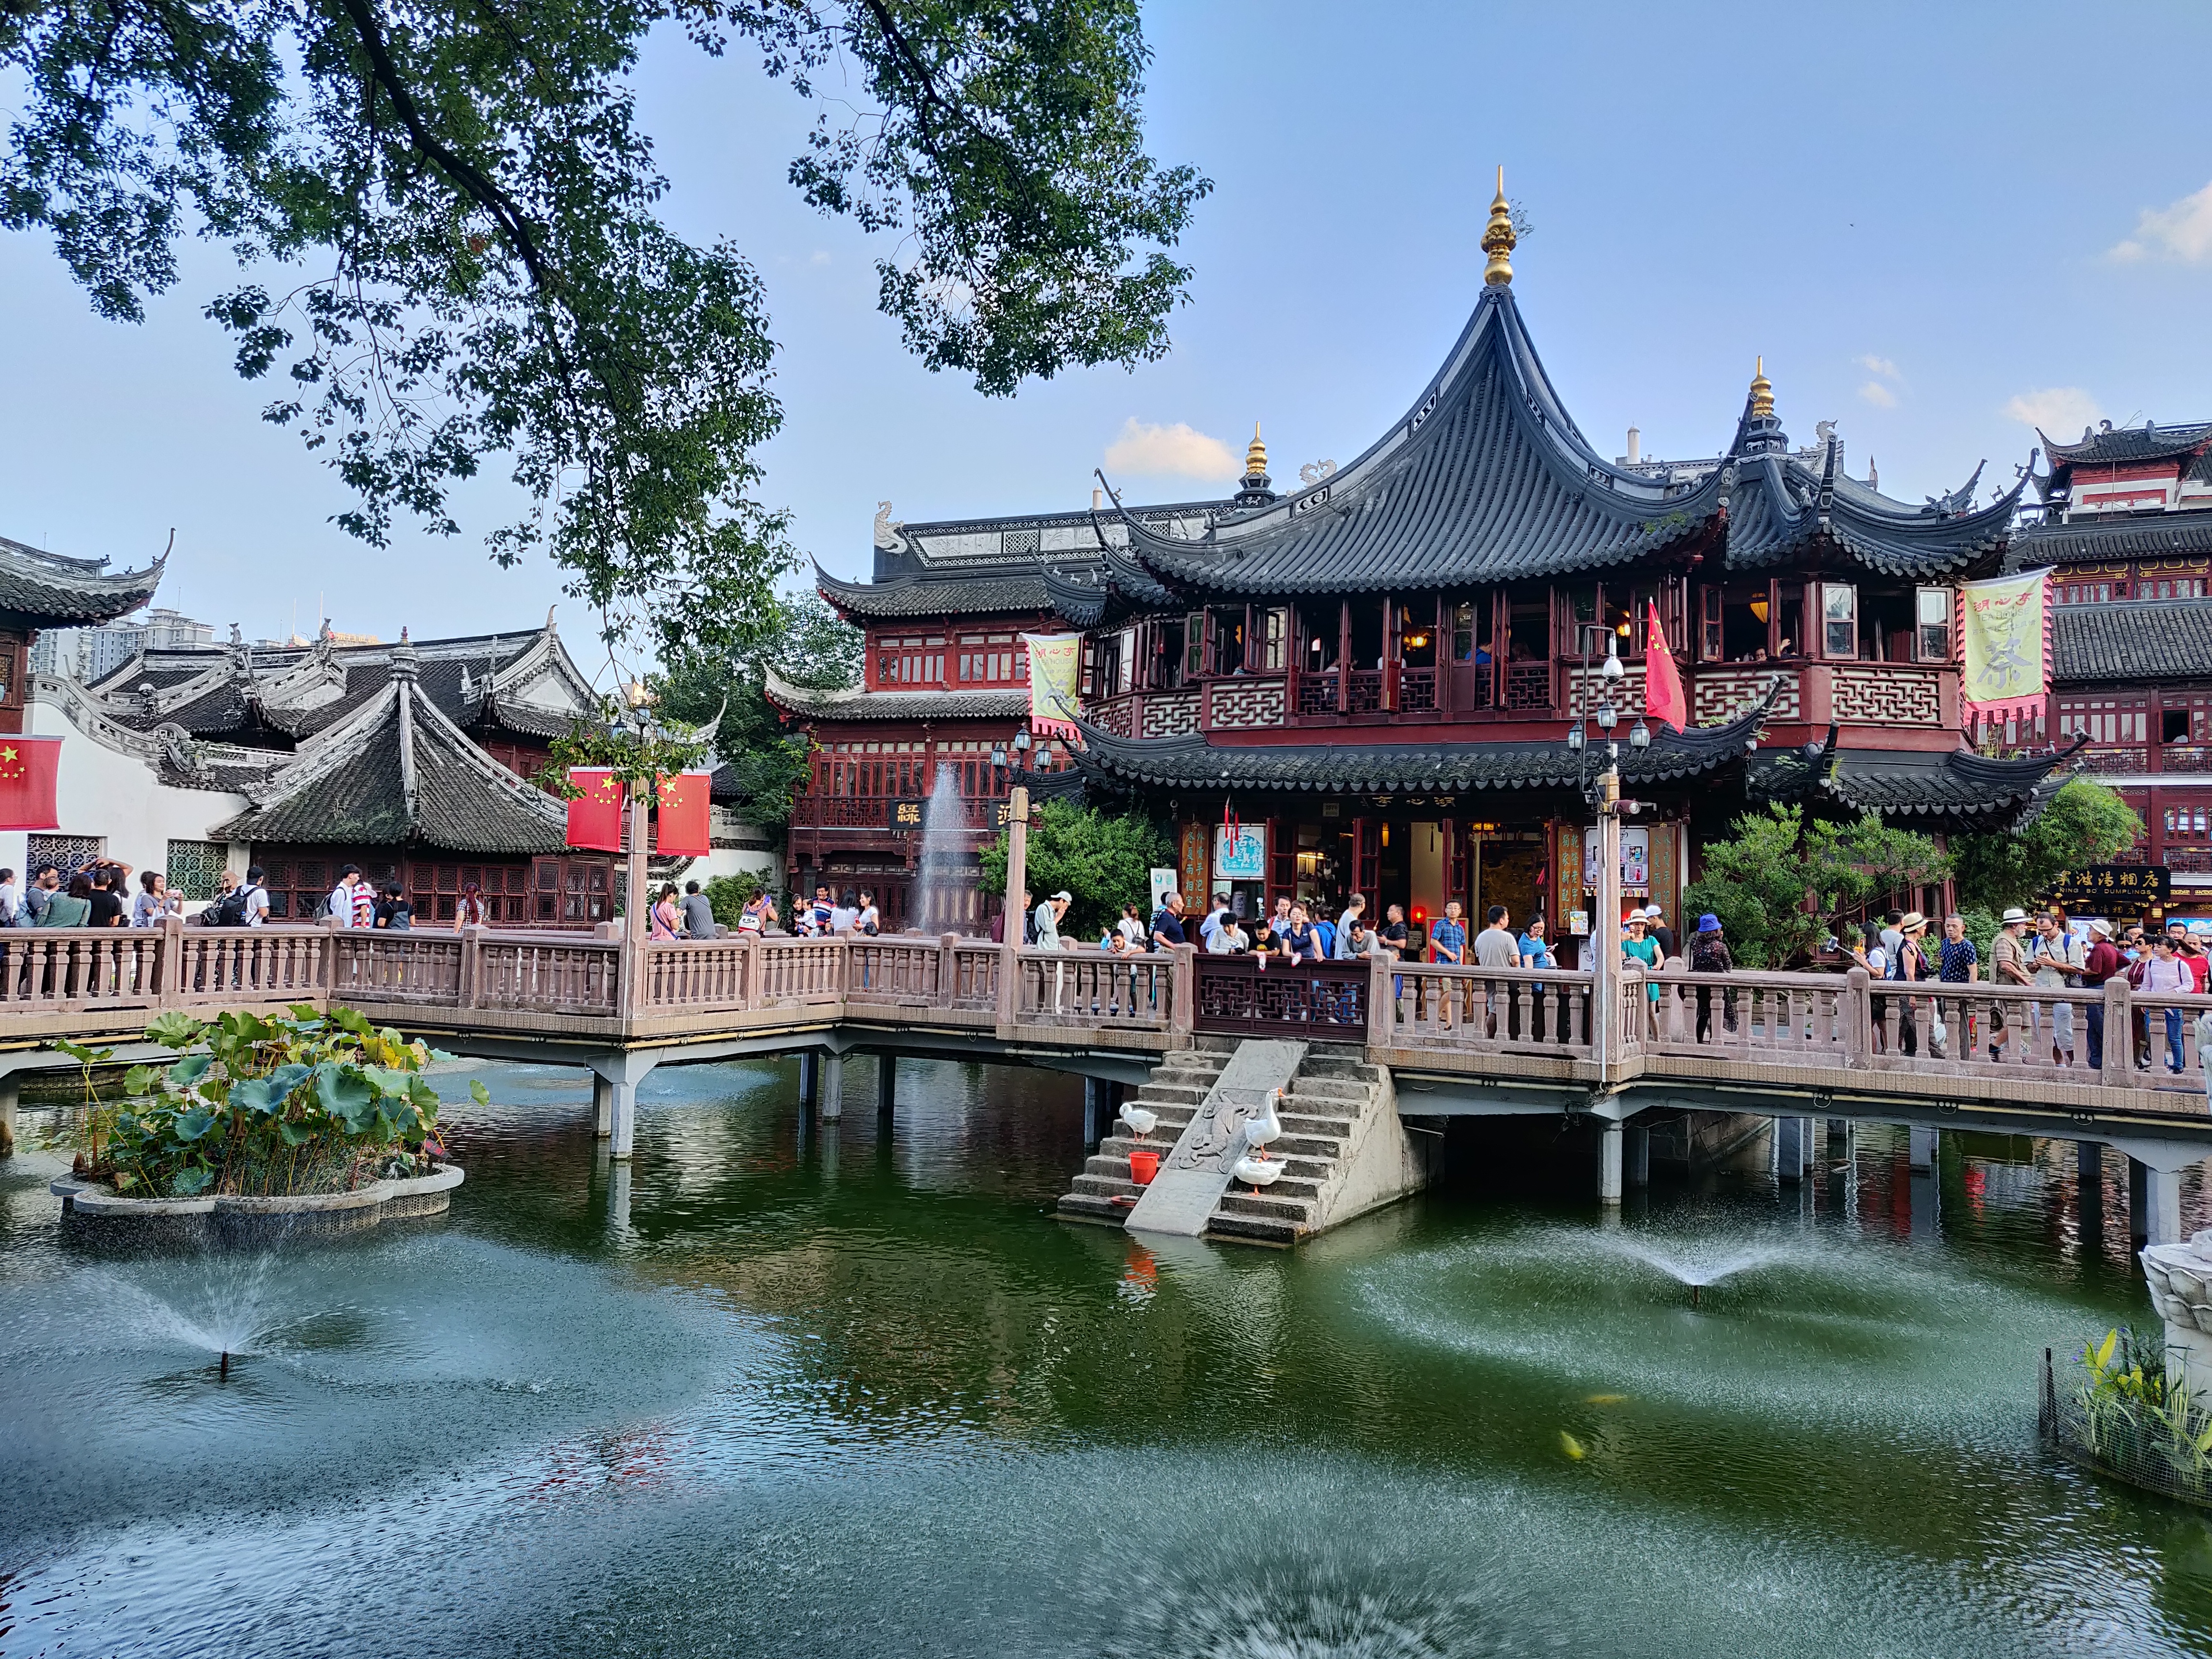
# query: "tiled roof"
{"type": "Point", "coordinates": [2142, 639]}
{"type": "Point", "coordinates": [1485, 478]}
{"type": "Point", "coordinates": [1393, 768]}
{"type": "Point", "coordinates": [1956, 785]}
{"type": "Point", "coordinates": [2153, 536]}
{"type": "Point", "coordinates": [1779, 509]}
{"type": "Point", "coordinates": [48, 591]}
{"type": "Point", "coordinates": [1010, 590]}
{"type": "Point", "coordinates": [856, 703]}
{"type": "Point", "coordinates": [2124, 445]}
{"type": "Point", "coordinates": [399, 771]}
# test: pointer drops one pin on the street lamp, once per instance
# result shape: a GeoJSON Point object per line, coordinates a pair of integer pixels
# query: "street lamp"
{"type": "Point", "coordinates": [1022, 748]}
{"type": "Point", "coordinates": [1639, 736]}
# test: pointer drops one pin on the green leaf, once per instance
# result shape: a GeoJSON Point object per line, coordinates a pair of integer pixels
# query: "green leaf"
{"type": "Point", "coordinates": [478, 1093]}
{"type": "Point", "coordinates": [256, 1094]}
{"type": "Point", "coordinates": [138, 1079]}
{"type": "Point", "coordinates": [194, 1125]}
{"type": "Point", "coordinates": [345, 1094]}
{"type": "Point", "coordinates": [288, 1077]}
{"type": "Point", "coordinates": [294, 1132]}
{"type": "Point", "coordinates": [176, 1030]}
{"type": "Point", "coordinates": [84, 1056]}
{"type": "Point", "coordinates": [190, 1069]}
{"type": "Point", "coordinates": [190, 1182]}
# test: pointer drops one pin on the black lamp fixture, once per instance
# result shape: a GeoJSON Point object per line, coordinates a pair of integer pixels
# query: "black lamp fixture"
{"type": "Point", "coordinates": [1639, 736]}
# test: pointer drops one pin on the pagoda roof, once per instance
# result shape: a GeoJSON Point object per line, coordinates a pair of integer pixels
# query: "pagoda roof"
{"type": "Point", "coordinates": [1487, 478]}
{"type": "Point", "coordinates": [49, 590]}
{"type": "Point", "coordinates": [1964, 788]}
{"type": "Point", "coordinates": [1192, 762]}
{"type": "Point", "coordinates": [2135, 639]}
{"type": "Point", "coordinates": [522, 682]}
{"type": "Point", "coordinates": [2131, 444]}
{"type": "Point", "coordinates": [398, 770]}
{"type": "Point", "coordinates": [854, 702]}
{"type": "Point", "coordinates": [2149, 536]}
{"type": "Point", "coordinates": [1012, 589]}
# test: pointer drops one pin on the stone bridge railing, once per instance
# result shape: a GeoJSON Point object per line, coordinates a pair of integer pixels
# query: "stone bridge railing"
{"type": "Point", "coordinates": [1817, 1030]}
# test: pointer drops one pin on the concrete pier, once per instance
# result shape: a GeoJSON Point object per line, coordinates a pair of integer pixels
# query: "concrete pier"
{"type": "Point", "coordinates": [1635, 1155]}
{"type": "Point", "coordinates": [886, 1086]}
{"type": "Point", "coordinates": [1610, 1162]}
{"type": "Point", "coordinates": [832, 1070]}
{"type": "Point", "coordinates": [1792, 1149]}
{"type": "Point", "coordinates": [810, 1080]}
{"type": "Point", "coordinates": [614, 1095]}
{"type": "Point", "coordinates": [11, 1095]}
{"type": "Point", "coordinates": [1098, 1108]}
{"type": "Point", "coordinates": [1923, 1148]}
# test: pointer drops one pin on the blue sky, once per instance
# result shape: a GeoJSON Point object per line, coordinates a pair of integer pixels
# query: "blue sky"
{"type": "Point", "coordinates": [1928, 219]}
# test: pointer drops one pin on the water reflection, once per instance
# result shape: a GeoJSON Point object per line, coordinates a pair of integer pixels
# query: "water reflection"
{"type": "Point", "coordinates": [853, 1390]}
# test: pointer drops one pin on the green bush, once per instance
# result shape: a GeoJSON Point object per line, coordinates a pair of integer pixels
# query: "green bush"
{"type": "Point", "coordinates": [729, 894]}
{"type": "Point", "coordinates": [265, 1105]}
{"type": "Point", "coordinates": [1103, 859]}
{"type": "Point", "coordinates": [2084, 823]}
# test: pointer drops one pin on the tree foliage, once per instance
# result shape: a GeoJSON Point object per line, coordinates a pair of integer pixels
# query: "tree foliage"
{"type": "Point", "coordinates": [2084, 823]}
{"type": "Point", "coordinates": [1758, 882]}
{"type": "Point", "coordinates": [1103, 859]}
{"type": "Point", "coordinates": [466, 215]}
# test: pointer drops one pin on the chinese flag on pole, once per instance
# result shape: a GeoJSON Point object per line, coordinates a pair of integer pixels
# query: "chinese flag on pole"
{"type": "Point", "coordinates": [595, 818]}
{"type": "Point", "coordinates": [1662, 683]}
{"type": "Point", "coordinates": [685, 814]}
{"type": "Point", "coordinates": [27, 768]}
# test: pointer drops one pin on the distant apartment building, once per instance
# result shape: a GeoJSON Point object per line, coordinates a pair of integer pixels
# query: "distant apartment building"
{"type": "Point", "coordinates": [93, 653]}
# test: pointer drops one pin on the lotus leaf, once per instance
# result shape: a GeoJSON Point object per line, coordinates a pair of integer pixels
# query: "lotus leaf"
{"type": "Point", "coordinates": [176, 1030]}
{"type": "Point", "coordinates": [190, 1069]}
{"type": "Point", "coordinates": [192, 1182]}
{"type": "Point", "coordinates": [194, 1124]}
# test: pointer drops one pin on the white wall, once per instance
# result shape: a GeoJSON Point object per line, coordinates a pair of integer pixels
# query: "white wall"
{"type": "Point", "coordinates": [101, 792]}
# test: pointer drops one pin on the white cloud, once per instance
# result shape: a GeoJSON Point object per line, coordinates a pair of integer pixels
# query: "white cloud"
{"type": "Point", "coordinates": [2182, 232]}
{"type": "Point", "coordinates": [1881, 365]}
{"type": "Point", "coordinates": [2057, 410]}
{"type": "Point", "coordinates": [1177, 451]}
{"type": "Point", "coordinates": [1879, 395]}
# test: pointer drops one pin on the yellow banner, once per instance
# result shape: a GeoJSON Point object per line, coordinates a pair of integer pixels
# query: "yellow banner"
{"type": "Point", "coordinates": [1055, 667]}
{"type": "Point", "coordinates": [2001, 623]}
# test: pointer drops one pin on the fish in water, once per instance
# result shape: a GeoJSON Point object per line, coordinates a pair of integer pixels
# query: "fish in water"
{"type": "Point", "coordinates": [1573, 1447]}
{"type": "Point", "coordinates": [1607, 1400]}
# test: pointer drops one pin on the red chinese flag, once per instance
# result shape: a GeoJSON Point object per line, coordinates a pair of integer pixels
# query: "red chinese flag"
{"type": "Point", "coordinates": [1663, 683]}
{"type": "Point", "coordinates": [595, 818]}
{"type": "Point", "coordinates": [28, 769]}
{"type": "Point", "coordinates": [685, 814]}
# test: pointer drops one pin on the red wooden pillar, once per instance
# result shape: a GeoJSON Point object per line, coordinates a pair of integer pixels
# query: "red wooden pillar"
{"type": "Point", "coordinates": [1366, 855]}
{"type": "Point", "coordinates": [1282, 862]}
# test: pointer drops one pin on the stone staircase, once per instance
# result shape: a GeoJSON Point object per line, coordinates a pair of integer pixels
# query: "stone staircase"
{"type": "Point", "coordinates": [1176, 1088]}
{"type": "Point", "coordinates": [1329, 1102]}
{"type": "Point", "coordinates": [1339, 1111]}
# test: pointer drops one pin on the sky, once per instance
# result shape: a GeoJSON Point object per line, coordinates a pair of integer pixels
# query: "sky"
{"type": "Point", "coordinates": [1937, 224]}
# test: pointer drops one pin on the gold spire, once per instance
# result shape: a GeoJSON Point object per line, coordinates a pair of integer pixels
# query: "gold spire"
{"type": "Point", "coordinates": [1762, 392]}
{"type": "Point", "coordinates": [1255, 455]}
{"type": "Point", "coordinates": [1498, 239]}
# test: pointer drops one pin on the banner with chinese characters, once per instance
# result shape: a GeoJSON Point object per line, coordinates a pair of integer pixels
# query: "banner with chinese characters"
{"type": "Point", "coordinates": [1240, 853]}
{"type": "Point", "coordinates": [2004, 648]}
{"type": "Point", "coordinates": [1055, 668]}
{"type": "Point", "coordinates": [2108, 889]}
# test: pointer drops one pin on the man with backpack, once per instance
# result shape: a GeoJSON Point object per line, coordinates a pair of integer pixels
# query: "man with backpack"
{"type": "Point", "coordinates": [241, 907]}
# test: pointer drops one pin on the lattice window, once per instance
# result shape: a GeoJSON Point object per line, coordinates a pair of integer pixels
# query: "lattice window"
{"type": "Point", "coordinates": [1017, 543]}
{"type": "Point", "coordinates": [195, 867]}
{"type": "Point", "coordinates": [67, 853]}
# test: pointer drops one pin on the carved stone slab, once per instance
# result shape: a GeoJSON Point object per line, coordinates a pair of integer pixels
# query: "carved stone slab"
{"type": "Point", "coordinates": [1196, 1172]}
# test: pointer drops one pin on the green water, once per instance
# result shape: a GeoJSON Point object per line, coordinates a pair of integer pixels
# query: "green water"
{"type": "Point", "coordinates": [863, 1396]}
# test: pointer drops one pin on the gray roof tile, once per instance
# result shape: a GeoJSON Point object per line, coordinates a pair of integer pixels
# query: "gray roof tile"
{"type": "Point", "coordinates": [2143, 639]}
{"type": "Point", "coordinates": [49, 590]}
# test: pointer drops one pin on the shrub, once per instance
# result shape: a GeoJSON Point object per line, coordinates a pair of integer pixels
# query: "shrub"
{"type": "Point", "coordinates": [265, 1105]}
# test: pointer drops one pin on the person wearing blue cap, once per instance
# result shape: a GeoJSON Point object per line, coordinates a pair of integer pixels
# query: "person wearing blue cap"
{"type": "Point", "coordinates": [1709, 954]}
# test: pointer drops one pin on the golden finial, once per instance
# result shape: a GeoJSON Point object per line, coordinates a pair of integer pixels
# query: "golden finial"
{"type": "Point", "coordinates": [1762, 391]}
{"type": "Point", "coordinates": [1498, 239]}
{"type": "Point", "coordinates": [1255, 455]}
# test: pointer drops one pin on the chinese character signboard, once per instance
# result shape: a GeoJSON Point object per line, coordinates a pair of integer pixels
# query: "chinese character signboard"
{"type": "Point", "coordinates": [907, 814]}
{"type": "Point", "coordinates": [2005, 654]}
{"type": "Point", "coordinates": [2127, 890]}
{"type": "Point", "coordinates": [1240, 854]}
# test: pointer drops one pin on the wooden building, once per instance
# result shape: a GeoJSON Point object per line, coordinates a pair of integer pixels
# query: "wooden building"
{"type": "Point", "coordinates": [1397, 674]}
{"type": "Point", "coordinates": [2126, 532]}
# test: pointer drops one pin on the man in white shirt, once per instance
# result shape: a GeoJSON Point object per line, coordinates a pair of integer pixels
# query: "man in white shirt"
{"type": "Point", "coordinates": [1049, 913]}
{"type": "Point", "coordinates": [341, 896]}
{"type": "Point", "coordinates": [11, 898]}
{"type": "Point", "coordinates": [257, 897]}
{"type": "Point", "coordinates": [1214, 919]}
{"type": "Point", "coordinates": [1354, 907]}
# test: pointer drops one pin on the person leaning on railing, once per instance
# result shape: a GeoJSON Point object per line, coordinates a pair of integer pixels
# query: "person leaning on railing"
{"type": "Point", "coordinates": [1709, 954]}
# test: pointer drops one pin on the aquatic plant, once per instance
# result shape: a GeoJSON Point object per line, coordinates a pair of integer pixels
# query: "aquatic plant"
{"type": "Point", "coordinates": [265, 1105]}
{"type": "Point", "coordinates": [2134, 1419]}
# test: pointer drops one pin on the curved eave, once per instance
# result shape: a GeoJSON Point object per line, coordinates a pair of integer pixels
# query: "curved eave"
{"type": "Point", "coordinates": [856, 703]}
{"type": "Point", "coordinates": [1957, 787]}
{"type": "Point", "coordinates": [1769, 524]}
{"type": "Point", "coordinates": [920, 599]}
{"type": "Point", "coordinates": [1473, 515]}
{"type": "Point", "coordinates": [1192, 764]}
{"type": "Point", "coordinates": [52, 595]}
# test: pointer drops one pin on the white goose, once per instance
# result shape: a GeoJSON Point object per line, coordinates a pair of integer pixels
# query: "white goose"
{"type": "Point", "coordinates": [1139, 1118]}
{"type": "Point", "coordinates": [1256, 1168]}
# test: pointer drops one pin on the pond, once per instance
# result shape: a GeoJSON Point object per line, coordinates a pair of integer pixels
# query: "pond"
{"type": "Point", "coordinates": [861, 1394]}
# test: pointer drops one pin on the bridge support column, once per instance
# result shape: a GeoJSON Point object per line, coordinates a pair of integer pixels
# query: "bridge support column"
{"type": "Point", "coordinates": [618, 1075]}
{"type": "Point", "coordinates": [833, 1087]}
{"type": "Point", "coordinates": [11, 1095]}
{"type": "Point", "coordinates": [1923, 1148]}
{"type": "Point", "coordinates": [1635, 1155]}
{"type": "Point", "coordinates": [1609, 1165]}
{"type": "Point", "coordinates": [810, 1081]}
{"type": "Point", "coordinates": [886, 1086]}
{"type": "Point", "coordinates": [1097, 1111]}
{"type": "Point", "coordinates": [2089, 1188]}
{"type": "Point", "coordinates": [603, 1107]}
{"type": "Point", "coordinates": [1792, 1149]}
{"type": "Point", "coordinates": [2153, 1203]}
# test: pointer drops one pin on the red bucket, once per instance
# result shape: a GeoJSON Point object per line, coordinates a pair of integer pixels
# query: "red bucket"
{"type": "Point", "coordinates": [1143, 1166]}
